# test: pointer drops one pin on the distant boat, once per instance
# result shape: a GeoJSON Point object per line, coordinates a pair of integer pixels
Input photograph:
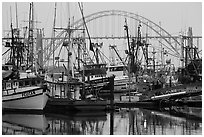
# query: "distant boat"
{"type": "Point", "coordinates": [121, 80]}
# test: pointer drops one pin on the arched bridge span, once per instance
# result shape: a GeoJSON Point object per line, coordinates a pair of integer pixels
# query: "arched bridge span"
{"type": "Point", "coordinates": [162, 33]}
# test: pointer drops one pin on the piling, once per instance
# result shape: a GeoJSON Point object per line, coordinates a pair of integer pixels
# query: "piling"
{"type": "Point", "coordinates": [111, 83]}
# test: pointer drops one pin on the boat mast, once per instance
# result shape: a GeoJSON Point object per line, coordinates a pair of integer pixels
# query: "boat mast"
{"type": "Point", "coordinates": [85, 26]}
{"type": "Point", "coordinates": [16, 16]}
{"type": "Point", "coordinates": [69, 53]}
{"type": "Point", "coordinates": [12, 59]}
{"type": "Point", "coordinates": [30, 37]}
{"type": "Point", "coordinates": [12, 55]}
{"type": "Point", "coordinates": [84, 46]}
{"type": "Point", "coordinates": [130, 56]}
{"type": "Point", "coordinates": [53, 33]}
{"type": "Point", "coordinates": [18, 52]}
{"type": "Point", "coordinates": [16, 47]}
{"type": "Point", "coordinates": [126, 28]}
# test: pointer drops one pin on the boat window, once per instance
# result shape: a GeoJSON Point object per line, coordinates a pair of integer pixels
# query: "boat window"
{"type": "Point", "coordinates": [33, 82]}
{"type": "Point", "coordinates": [63, 88]}
{"type": "Point", "coordinates": [116, 68]}
{"type": "Point", "coordinates": [20, 84]}
{"type": "Point", "coordinates": [120, 68]}
{"type": "Point", "coordinates": [10, 92]}
{"type": "Point", "coordinates": [38, 81]}
{"type": "Point", "coordinates": [3, 86]}
{"type": "Point", "coordinates": [8, 85]}
{"type": "Point", "coordinates": [5, 68]}
{"type": "Point", "coordinates": [5, 92]}
{"type": "Point", "coordinates": [16, 84]}
{"type": "Point", "coordinates": [27, 83]}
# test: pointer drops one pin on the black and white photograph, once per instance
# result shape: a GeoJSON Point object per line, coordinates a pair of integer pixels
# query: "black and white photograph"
{"type": "Point", "coordinates": [101, 67]}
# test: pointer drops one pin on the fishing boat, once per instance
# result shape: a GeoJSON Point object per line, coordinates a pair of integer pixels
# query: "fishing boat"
{"type": "Point", "coordinates": [24, 93]}
{"type": "Point", "coordinates": [121, 80]}
{"type": "Point", "coordinates": [22, 88]}
{"type": "Point", "coordinates": [70, 95]}
{"type": "Point", "coordinates": [71, 92]}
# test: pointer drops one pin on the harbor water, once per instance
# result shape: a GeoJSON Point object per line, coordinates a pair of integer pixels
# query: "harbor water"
{"type": "Point", "coordinates": [125, 121]}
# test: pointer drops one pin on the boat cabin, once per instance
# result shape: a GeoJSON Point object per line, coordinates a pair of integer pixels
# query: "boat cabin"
{"type": "Point", "coordinates": [116, 70]}
{"type": "Point", "coordinates": [8, 85]}
{"type": "Point", "coordinates": [7, 67]}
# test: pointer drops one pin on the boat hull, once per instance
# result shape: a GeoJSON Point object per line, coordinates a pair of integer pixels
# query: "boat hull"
{"type": "Point", "coordinates": [90, 105]}
{"type": "Point", "coordinates": [34, 99]}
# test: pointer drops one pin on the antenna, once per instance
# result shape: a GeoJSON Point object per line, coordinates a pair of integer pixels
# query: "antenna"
{"type": "Point", "coordinates": [53, 42]}
{"type": "Point", "coordinates": [30, 37]}
{"type": "Point", "coordinates": [11, 15]}
{"type": "Point", "coordinates": [16, 15]}
{"type": "Point", "coordinates": [68, 7]}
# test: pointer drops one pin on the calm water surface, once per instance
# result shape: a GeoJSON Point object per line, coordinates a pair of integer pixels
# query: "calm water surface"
{"type": "Point", "coordinates": [137, 121]}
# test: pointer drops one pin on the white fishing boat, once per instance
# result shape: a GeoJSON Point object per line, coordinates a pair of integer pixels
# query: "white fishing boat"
{"type": "Point", "coordinates": [24, 93]}
{"type": "Point", "coordinates": [121, 80]}
{"type": "Point", "coordinates": [21, 86]}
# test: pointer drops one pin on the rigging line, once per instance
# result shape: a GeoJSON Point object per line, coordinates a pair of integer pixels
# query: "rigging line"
{"type": "Point", "coordinates": [167, 52]}
{"type": "Point", "coordinates": [86, 26]}
{"type": "Point", "coordinates": [200, 51]}
{"type": "Point", "coordinates": [102, 59]}
{"type": "Point", "coordinates": [141, 59]}
{"type": "Point", "coordinates": [73, 49]}
{"type": "Point", "coordinates": [87, 53]}
{"type": "Point", "coordinates": [5, 52]}
{"type": "Point", "coordinates": [126, 58]}
{"type": "Point", "coordinates": [58, 54]}
{"type": "Point", "coordinates": [166, 46]}
{"type": "Point", "coordinates": [61, 47]}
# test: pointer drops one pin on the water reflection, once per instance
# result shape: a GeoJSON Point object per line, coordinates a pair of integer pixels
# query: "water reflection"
{"type": "Point", "coordinates": [83, 123]}
{"type": "Point", "coordinates": [177, 121]}
{"type": "Point", "coordinates": [24, 124]}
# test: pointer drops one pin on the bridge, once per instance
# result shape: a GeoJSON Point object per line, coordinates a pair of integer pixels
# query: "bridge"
{"type": "Point", "coordinates": [154, 33]}
{"type": "Point", "coordinates": [109, 26]}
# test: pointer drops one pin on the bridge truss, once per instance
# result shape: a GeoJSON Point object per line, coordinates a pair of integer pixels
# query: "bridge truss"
{"type": "Point", "coordinates": [171, 42]}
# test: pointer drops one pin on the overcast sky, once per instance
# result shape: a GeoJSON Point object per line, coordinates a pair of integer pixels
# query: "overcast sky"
{"type": "Point", "coordinates": [174, 17]}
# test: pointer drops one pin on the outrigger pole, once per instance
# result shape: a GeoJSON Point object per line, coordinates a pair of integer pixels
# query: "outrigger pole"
{"type": "Point", "coordinates": [91, 46]}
